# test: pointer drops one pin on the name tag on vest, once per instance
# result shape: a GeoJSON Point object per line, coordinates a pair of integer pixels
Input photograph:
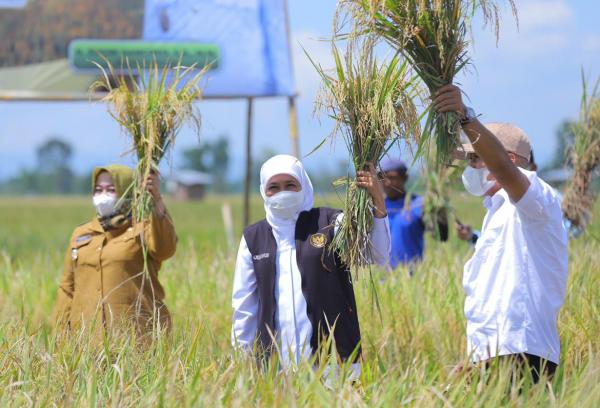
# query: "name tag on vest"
{"type": "Point", "coordinates": [260, 256]}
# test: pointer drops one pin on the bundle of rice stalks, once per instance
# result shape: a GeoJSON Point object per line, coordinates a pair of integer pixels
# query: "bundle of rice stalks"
{"type": "Point", "coordinates": [432, 36]}
{"type": "Point", "coordinates": [152, 109]}
{"type": "Point", "coordinates": [438, 210]}
{"type": "Point", "coordinates": [372, 104]}
{"type": "Point", "coordinates": [584, 159]}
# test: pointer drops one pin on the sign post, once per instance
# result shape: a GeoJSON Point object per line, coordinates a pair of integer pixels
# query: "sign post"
{"type": "Point", "coordinates": [248, 180]}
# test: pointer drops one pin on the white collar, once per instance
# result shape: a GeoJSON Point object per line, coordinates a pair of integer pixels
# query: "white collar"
{"type": "Point", "coordinates": [494, 202]}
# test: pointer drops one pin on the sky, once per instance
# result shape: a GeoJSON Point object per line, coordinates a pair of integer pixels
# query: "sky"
{"type": "Point", "coordinates": [532, 78]}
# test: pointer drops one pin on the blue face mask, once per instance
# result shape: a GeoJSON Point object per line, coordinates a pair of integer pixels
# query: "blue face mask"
{"type": "Point", "coordinates": [476, 182]}
{"type": "Point", "coordinates": [285, 204]}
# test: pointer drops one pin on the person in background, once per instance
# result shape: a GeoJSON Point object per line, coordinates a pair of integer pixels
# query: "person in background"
{"type": "Point", "coordinates": [405, 212]}
{"type": "Point", "coordinates": [289, 289]}
{"type": "Point", "coordinates": [104, 285]}
{"type": "Point", "coordinates": [515, 282]}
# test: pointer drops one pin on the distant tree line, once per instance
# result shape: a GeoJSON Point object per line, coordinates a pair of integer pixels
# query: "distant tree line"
{"type": "Point", "coordinates": [53, 172]}
{"type": "Point", "coordinates": [51, 175]}
{"type": "Point", "coordinates": [213, 157]}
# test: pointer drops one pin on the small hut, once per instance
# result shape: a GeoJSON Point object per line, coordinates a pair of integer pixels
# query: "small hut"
{"type": "Point", "coordinates": [186, 185]}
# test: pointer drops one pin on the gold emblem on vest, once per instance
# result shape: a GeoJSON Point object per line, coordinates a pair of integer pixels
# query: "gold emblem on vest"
{"type": "Point", "coordinates": [318, 240]}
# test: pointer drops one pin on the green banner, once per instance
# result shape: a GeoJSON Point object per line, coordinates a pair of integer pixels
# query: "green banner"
{"type": "Point", "coordinates": [82, 53]}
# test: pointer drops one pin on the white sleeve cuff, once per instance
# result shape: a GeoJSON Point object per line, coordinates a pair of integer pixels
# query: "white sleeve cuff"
{"type": "Point", "coordinates": [381, 241]}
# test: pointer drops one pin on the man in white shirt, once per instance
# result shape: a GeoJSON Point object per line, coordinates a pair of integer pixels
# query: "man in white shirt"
{"type": "Point", "coordinates": [515, 282]}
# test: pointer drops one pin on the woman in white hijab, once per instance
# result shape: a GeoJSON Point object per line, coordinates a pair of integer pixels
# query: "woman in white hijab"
{"type": "Point", "coordinates": [289, 290]}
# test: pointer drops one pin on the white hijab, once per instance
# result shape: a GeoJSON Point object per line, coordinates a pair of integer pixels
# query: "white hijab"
{"type": "Point", "coordinates": [285, 164]}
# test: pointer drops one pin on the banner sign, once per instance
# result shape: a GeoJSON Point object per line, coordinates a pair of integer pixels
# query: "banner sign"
{"type": "Point", "coordinates": [251, 34]}
{"type": "Point", "coordinates": [48, 46]}
{"type": "Point", "coordinates": [119, 53]}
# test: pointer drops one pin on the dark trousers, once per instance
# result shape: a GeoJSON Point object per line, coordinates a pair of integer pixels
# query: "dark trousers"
{"type": "Point", "coordinates": [527, 363]}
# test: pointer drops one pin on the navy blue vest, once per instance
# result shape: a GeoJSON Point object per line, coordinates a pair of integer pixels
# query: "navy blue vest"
{"type": "Point", "coordinates": [326, 281]}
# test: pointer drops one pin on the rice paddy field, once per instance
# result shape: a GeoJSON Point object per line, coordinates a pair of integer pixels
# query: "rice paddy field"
{"type": "Point", "coordinates": [411, 342]}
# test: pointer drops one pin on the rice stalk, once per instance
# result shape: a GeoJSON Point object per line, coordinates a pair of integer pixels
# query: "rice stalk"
{"type": "Point", "coordinates": [432, 36]}
{"type": "Point", "coordinates": [372, 104]}
{"type": "Point", "coordinates": [584, 159]}
{"type": "Point", "coordinates": [151, 108]}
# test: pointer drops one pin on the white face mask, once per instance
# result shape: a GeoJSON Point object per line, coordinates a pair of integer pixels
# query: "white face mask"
{"type": "Point", "coordinates": [476, 182]}
{"type": "Point", "coordinates": [285, 204]}
{"type": "Point", "coordinates": [105, 204]}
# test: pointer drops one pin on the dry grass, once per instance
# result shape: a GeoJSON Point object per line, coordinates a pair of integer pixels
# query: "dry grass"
{"type": "Point", "coordinates": [409, 349]}
{"type": "Point", "coordinates": [584, 158]}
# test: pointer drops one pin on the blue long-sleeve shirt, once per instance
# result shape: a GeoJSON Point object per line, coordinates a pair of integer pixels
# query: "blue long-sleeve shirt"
{"type": "Point", "coordinates": [407, 229]}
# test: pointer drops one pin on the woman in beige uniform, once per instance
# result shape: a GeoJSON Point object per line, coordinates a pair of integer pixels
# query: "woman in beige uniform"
{"type": "Point", "coordinates": [104, 282]}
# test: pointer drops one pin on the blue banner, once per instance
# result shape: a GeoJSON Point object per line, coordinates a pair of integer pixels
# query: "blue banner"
{"type": "Point", "coordinates": [13, 3]}
{"type": "Point", "coordinates": [254, 56]}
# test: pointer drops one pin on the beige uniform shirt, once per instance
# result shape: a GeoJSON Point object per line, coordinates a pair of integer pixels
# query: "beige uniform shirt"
{"type": "Point", "coordinates": [104, 278]}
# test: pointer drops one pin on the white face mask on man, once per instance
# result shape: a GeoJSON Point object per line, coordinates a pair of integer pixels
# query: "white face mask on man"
{"type": "Point", "coordinates": [285, 204]}
{"type": "Point", "coordinates": [476, 182]}
{"type": "Point", "coordinates": [105, 204]}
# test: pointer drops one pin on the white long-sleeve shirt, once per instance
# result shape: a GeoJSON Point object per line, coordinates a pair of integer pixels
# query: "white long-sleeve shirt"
{"type": "Point", "coordinates": [516, 280]}
{"type": "Point", "coordinates": [293, 327]}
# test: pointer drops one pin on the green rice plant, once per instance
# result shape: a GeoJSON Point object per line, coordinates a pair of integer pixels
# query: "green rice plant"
{"type": "Point", "coordinates": [584, 159]}
{"type": "Point", "coordinates": [372, 104]}
{"type": "Point", "coordinates": [152, 108]}
{"type": "Point", "coordinates": [432, 36]}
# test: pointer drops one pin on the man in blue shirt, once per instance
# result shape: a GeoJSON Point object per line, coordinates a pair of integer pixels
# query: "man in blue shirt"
{"type": "Point", "coordinates": [406, 218]}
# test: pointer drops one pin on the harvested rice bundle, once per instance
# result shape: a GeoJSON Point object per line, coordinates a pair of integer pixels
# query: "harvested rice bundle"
{"type": "Point", "coordinates": [438, 210]}
{"type": "Point", "coordinates": [372, 104]}
{"type": "Point", "coordinates": [584, 158]}
{"type": "Point", "coordinates": [432, 36]}
{"type": "Point", "coordinates": [152, 110]}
